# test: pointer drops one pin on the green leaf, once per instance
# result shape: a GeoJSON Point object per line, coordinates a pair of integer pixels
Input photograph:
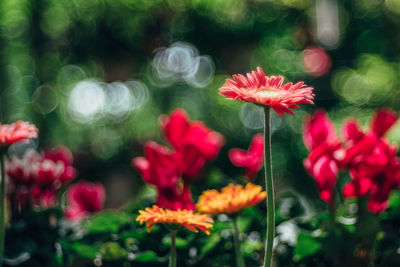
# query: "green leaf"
{"type": "Point", "coordinates": [306, 246]}
{"type": "Point", "coordinates": [179, 242]}
{"type": "Point", "coordinates": [210, 244]}
{"type": "Point", "coordinates": [394, 200]}
{"type": "Point", "coordinates": [393, 206]}
{"type": "Point", "coordinates": [108, 221]}
{"type": "Point", "coordinates": [250, 246]}
{"type": "Point", "coordinates": [133, 234]}
{"type": "Point", "coordinates": [85, 251]}
{"type": "Point", "coordinates": [146, 256]}
{"type": "Point", "coordinates": [215, 177]}
{"type": "Point", "coordinates": [244, 224]}
{"type": "Point", "coordinates": [219, 225]}
{"type": "Point", "coordinates": [113, 251]}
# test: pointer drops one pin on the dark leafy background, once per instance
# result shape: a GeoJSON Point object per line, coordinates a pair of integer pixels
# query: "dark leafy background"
{"type": "Point", "coordinates": [47, 47]}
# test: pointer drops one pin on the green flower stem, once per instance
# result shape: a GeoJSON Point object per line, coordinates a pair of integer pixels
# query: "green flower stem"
{"type": "Point", "coordinates": [2, 207]}
{"type": "Point", "coordinates": [238, 248]}
{"type": "Point", "coordinates": [270, 189]}
{"type": "Point", "coordinates": [172, 254]}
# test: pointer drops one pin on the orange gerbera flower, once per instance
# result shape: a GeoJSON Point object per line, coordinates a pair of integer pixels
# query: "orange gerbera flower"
{"type": "Point", "coordinates": [269, 91]}
{"type": "Point", "coordinates": [231, 199]}
{"type": "Point", "coordinates": [18, 131]}
{"type": "Point", "coordinates": [185, 218]}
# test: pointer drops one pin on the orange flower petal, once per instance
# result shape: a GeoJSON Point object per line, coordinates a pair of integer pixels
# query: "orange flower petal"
{"type": "Point", "coordinates": [231, 199]}
{"type": "Point", "coordinates": [185, 218]}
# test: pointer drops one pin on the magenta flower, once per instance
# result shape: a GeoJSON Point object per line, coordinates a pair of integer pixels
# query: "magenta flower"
{"type": "Point", "coordinates": [371, 161]}
{"type": "Point", "coordinates": [252, 159]}
{"type": "Point", "coordinates": [319, 136]}
{"type": "Point", "coordinates": [161, 168]}
{"type": "Point", "coordinates": [196, 143]}
{"type": "Point", "coordinates": [83, 199]}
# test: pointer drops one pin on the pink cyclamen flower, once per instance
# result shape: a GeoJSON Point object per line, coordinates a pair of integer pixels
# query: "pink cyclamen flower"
{"type": "Point", "coordinates": [318, 129]}
{"type": "Point", "coordinates": [54, 169]}
{"type": "Point", "coordinates": [252, 159]}
{"type": "Point", "coordinates": [370, 159]}
{"type": "Point", "coordinates": [83, 199]}
{"type": "Point", "coordinates": [325, 172]}
{"type": "Point", "coordinates": [181, 132]}
{"type": "Point", "coordinates": [15, 132]}
{"type": "Point", "coordinates": [319, 135]}
{"type": "Point", "coordinates": [360, 143]}
{"type": "Point", "coordinates": [374, 169]}
{"type": "Point", "coordinates": [19, 169]}
{"type": "Point", "coordinates": [161, 168]}
{"type": "Point", "coordinates": [62, 155]}
{"type": "Point", "coordinates": [351, 131]}
{"type": "Point", "coordinates": [267, 91]}
{"type": "Point", "coordinates": [38, 177]}
{"type": "Point", "coordinates": [382, 185]}
{"type": "Point", "coordinates": [382, 121]}
{"type": "Point", "coordinates": [195, 143]}
{"type": "Point", "coordinates": [375, 174]}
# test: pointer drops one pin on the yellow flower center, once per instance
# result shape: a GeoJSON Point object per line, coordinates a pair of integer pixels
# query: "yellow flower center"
{"type": "Point", "coordinates": [267, 93]}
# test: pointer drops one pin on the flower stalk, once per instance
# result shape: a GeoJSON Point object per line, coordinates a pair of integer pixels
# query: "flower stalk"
{"type": "Point", "coordinates": [238, 247]}
{"type": "Point", "coordinates": [270, 189]}
{"type": "Point", "coordinates": [172, 254]}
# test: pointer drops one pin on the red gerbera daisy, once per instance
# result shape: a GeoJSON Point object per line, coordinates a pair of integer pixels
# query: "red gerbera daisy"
{"type": "Point", "coordinates": [269, 91]}
{"type": "Point", "coordinates": [18, 131]}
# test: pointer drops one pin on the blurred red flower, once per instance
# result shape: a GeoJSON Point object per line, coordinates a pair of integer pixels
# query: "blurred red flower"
{"type": "Point", "coordinates": [172, 171]}
{"type": "Point", "coordinates": [360, 143]}
{"type": "Point", "coordinates": [161, 167]}
{"type": "Point", "coordinates": [375, 174]}
{"type": "Point", "coordinates": [267, 91]}
{"type": "Point", "coordinates": [195, 143]}
{"type": "Point", "coordinates": [318, 129]}
{"type": "Point", "coordinates": [370, 159]}
{"type": "Point", "coordinates": [37, 178]}
{"type": "Point", "coordinates": [319, 135]}
{"type": "Point", "coordinates": [252, 159]}
{"type": "Point", "coordinates": [19, 169]}
{"type": "Point", "coordinates": [63, 155]}
{"type": "Point", "coordinates": [382, 121]}
{"type": "Point", "coordinates": [372, 162]}
{"type": "Point", "coordinates": [18, 131]}
{"type": "Point", "coordinates": [83, 199]}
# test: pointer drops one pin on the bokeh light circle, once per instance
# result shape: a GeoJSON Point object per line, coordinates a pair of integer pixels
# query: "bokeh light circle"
{"type": "Point", "coordinates": [251, 116]}
{"type": "Point", "coordinates": [118, 99]}
{"type": "Point", "coordinates": [45, 99]}
{"type": "Point", "coordinates": [86, 100]}
{"type": "Point", "coordinates": [139, 93]}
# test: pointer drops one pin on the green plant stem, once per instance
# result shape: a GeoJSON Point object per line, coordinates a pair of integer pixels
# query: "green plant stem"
{"type": "Point", "coordinates": [238, 247]}
{"type": "Point", "coordinates": [270, 189]}
{"type": "Point", "coordinates": [2, 208]}
{"type": "Point", "coordinates": [172, 254]}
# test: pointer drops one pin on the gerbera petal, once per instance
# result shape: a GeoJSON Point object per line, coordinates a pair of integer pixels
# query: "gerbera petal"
{"type": "Point", "coordinates": [184, 218]}
{"type": "Point", "coordinates": [15, 132]}
{"type": "Point", "coordinates": [261, 76]}
{"type": "Point", "coordinates": [269, 91]}
{"type": "Point", "coordinates": [232, 199]}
